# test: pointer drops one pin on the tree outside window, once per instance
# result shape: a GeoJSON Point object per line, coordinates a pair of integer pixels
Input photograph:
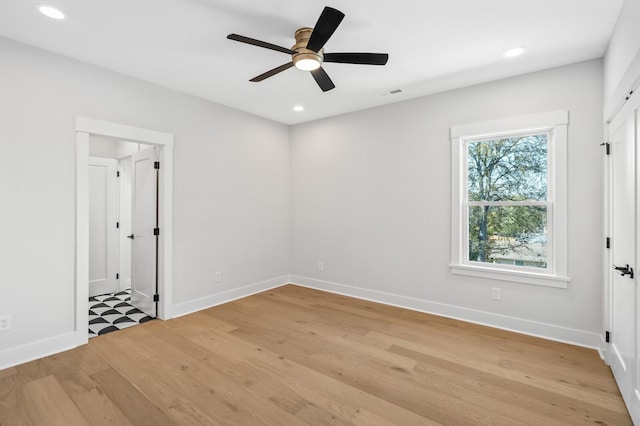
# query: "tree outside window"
{"type": "Point", "coordinates": [507, 200]}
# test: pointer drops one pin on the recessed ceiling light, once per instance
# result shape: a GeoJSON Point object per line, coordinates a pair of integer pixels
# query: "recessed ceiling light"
{"type": "Point", "coordinates": [514, 52]}
{"type": "Point", "coordinates": [298, 108]}
{"type": "Point", "coordinates": [50, 11]}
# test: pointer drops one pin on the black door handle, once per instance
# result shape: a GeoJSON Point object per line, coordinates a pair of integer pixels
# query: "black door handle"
{"type": "Point", "coordinates": [624, 270]}
{"type": "Point", "coordinates": [131, 236]}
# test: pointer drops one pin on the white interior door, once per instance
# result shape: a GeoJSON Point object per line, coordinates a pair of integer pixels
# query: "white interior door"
{"type": "Point", "coordinates": [623, 348]}
{"type": "Point", "coordinates": [143, 223]}
{"type": "Point", "coordinates": [103, 233]}
{"type": "Point", "coordinates": [124, 216]}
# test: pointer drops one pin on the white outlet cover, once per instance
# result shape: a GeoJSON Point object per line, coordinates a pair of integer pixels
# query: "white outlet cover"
{"type": "Point", "coordinates": [496, 293]}
{"type": "Point", "coordinates": [5, 322]}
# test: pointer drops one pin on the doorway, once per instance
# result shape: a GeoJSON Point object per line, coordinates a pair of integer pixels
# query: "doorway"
{"type": "Point", "coordinates": [163, 142]}
{"type": "Point", "coordinates": [123, 214]}
{"type": "Point", "coordinates": [622, 295]}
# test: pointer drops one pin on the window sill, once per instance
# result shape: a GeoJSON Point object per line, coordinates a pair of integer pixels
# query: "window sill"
{"type": "Point", "coordinates": [511, 275]}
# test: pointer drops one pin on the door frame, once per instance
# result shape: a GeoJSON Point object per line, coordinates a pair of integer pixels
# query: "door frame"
{"type": "Point", "coordinates": [84, 128]}
{"type": "Point", "coordinates": [627, 389]}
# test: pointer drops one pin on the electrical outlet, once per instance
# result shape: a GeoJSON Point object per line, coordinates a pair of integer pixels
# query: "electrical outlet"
{"type": "Point", "coordinates": [320, 266]}
{"type": "Point", "coordinates": [218, 277]}
{"type": "Point", "coordinates": [5, 322]}
{"type": "Point", "coordinates": [496, 294]}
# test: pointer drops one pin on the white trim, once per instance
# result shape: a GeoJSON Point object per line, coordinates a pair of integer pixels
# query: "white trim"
{"type": "Point", "coordinates": [602, 353]}
{"type": "Point", "coordinates": [607, 256]}
{"type": "Point", "coordinates": [556, 333]}
{"type": "Point", "coordinates": [555, 124]}
{"type": "Point", "coordinates": [85, 127]}
{"type": "Point", "coordinates": [229, 295]}
{"type": "Point", "coordinates": [165, 257]}
{"type": "Point", "coordinates": [39, 349]}
{"type": "Point", "coordinates": [122, 131]}
{"type": "Point", "coordinates": [520, 124]}
{"type": "Point", "coordinates": [626, 376]}
{"type": "Point", "coordinates": [82, 237]}
{"type": "Point", "coordinates": [496, 273]}
{"type": "Point", "coordinates": [620, 95]}
{"type": "Point", "coordinates": [42, 348]}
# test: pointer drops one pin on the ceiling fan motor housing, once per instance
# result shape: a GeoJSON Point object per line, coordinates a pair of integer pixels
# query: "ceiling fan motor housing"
{"type": "Point", "coordinates": [302, 37]}
{"type": "Point", "coordinates": [308, 52]}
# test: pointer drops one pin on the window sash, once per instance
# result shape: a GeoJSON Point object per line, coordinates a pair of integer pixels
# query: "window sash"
{"type": "Point", "coordinates": [555, 123]}
{"type": "Point", "coordinates": [507, 203]}
{"type": "Point", "coordinates": [548, 203]}
{"type": "Point", "coordinates": [550, 234]}
{"type": "Point", "coordinates": [549, 133]}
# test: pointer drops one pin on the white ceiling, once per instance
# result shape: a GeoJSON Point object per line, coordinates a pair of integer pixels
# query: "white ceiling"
{"type": "Point", "coordinates": [433, 45]}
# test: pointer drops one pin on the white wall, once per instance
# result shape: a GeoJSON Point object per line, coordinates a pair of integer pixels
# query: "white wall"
{"type": "Point", "coordinates": [100, 146]}
{"type": "Point", "coordinates": [103, 147]}
{"type": "Point", "coordinates": [371, 199]}
{"type": "Point", "coordinates": [623, 46]}
{"type": "Point", "coordinates": [231, 188]}
{"type": "Point", "coordinates": [369, 194]}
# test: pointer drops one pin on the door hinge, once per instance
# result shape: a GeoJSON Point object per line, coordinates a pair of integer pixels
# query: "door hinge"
{"type": "Point", "coordinates": [118, 174]}
{"type": "Point", "coordinates": [118, 225]}
{"type": "Point", "coordinates": [156, 297]}
{"type": "Point", "coordinates": [607, 336]}
{"type": "Point", "coordinates": [156, 231]}
{"type": "Point", "coordinates": [607, 146]}
{"type": "Point", "coordinates": [608, 242]}
{"type": "Point", "coordinates": [117, 276]}
{"type": "Point", "coordinates": [156, 165]}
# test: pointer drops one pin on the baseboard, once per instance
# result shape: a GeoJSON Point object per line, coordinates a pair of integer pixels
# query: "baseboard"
{"type": "Point", "coordinates": [227, 296]}
{"type": "Point", "coordinates": [603, 355]}
{"type": "Point", "coordinates": [40, 349]}
{"type": "Point", "coordinates": [46, 347]}
{"type": "Point", "coordinates": [546, 331]}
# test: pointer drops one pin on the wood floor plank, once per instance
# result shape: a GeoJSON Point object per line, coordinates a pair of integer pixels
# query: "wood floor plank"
{"type": "Point", "coordinates": [332, 394]}
{"type": "Point", "coordinates": [297, 356]}
{"type": "Point", "coordinates": [130, 400]}
{"type": "Point", "coordinates": [12, 402]}
{"type": "Point", "coordinates": [98, 409]}
{"type": "Point", "coordinates": [554, 407]}
{"type": "Point", "coordinates": [65, 367]}
{"type": "Point", "coordinates": [157, 386]}
{"type": "Point", "coordinates": [48, 404]}
{"type": "Point", "coordinates": [8, 372]}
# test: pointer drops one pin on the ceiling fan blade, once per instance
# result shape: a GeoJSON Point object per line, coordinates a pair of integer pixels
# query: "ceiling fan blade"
{"type": "Point", "coordinates": [327, 23]}
{"type": "Point", "coordinates": [272, 72]}
{"type": "Point", "coordinates": [322, 78]}
{"type": "Point", "coordinates": [260, 43]}
{"type": "Point", "coordinates": [357, 58]}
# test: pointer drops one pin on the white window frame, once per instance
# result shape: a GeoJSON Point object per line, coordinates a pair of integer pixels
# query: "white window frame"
{"type": "Point", "coordinates": [553, 123]}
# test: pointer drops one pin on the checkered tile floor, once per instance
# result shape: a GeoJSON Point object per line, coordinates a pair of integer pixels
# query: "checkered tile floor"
{"type": "Point", "coordinates": [111, 312]}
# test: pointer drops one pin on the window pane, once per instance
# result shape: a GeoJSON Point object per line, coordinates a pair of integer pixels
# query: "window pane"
{"type": "Point", "coordinates": [511, 235]}
{"type": "Point", "coordinates": [511, 169]}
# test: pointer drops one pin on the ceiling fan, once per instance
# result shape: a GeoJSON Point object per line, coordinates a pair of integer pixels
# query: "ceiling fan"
{"type": "Point", "coordinates": [308, 53]}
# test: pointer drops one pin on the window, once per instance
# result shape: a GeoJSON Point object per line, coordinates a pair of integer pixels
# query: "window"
{"type": "Point", "coordinates": [509, 199]}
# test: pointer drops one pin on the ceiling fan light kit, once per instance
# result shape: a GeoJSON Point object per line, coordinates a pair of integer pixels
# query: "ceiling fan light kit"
{"type": "Point", "coordinates": [307, 54]}
{"type": "Point", "coordinates": [306, 59]}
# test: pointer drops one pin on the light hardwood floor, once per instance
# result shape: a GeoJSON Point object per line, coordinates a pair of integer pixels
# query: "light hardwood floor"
{"type": "Point", "coordinates": [294, 356]}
